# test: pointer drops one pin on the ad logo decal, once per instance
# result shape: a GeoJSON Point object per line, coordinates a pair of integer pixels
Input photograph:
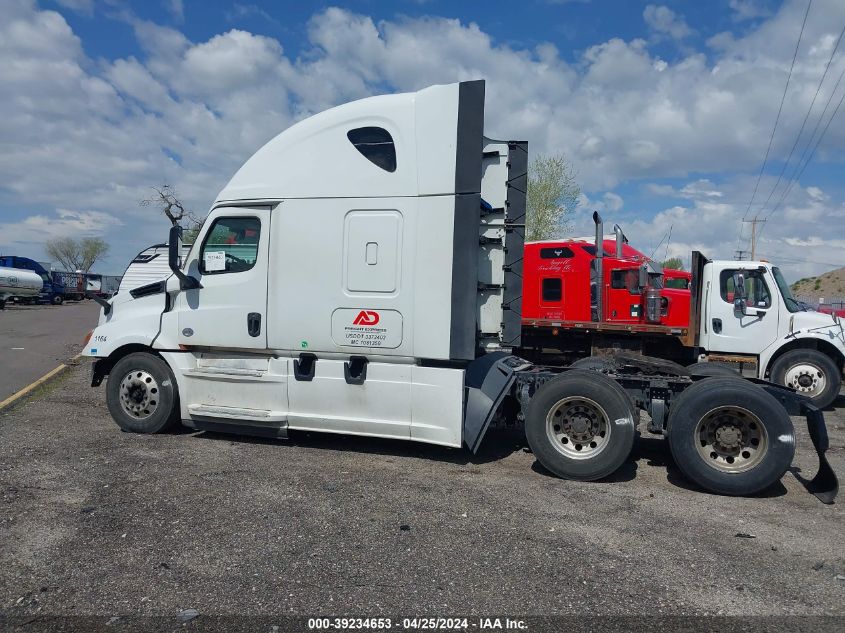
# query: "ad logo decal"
{"type": "Point", "coordinates": [366, 317]}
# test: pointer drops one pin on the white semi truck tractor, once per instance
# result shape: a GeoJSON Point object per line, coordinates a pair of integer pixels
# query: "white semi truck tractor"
{"type": "Point", "coordinates": [360, 274]}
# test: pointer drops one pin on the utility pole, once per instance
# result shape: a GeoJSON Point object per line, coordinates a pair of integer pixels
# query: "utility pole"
{"type": "Point", "coordinates": [754, 224]}
{"type": "Point", "coordinates": [739, 255]}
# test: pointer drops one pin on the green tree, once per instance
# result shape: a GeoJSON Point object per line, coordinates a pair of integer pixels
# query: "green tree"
{"type": "Point", "coordinates": [674, 263]}
{"type": "Point", "coordinates": [551, 197]}
{"type": "Point", "coordinates": [76, 255]}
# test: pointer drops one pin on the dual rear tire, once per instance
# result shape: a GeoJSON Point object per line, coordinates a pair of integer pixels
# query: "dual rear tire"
{"type": "Point", "coordinates": [727, 435]}
{"type": "Point", "coordinates": [580, 425]}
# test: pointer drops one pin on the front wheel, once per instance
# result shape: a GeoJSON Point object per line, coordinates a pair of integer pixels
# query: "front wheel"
{"type": "Point", "coordinates": [142, 395]}
{"type": "Point", "coordinates": [730, 436]}
{"type": "Point", "coordinates": [579, 425]}
{"type": "Point", "coordinates": [811, 373]}
{"type": "Point", "coordinates": [57, 300]}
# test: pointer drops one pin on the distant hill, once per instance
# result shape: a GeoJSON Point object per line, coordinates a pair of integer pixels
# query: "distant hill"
{"type": "Point", "coordinates": [830, 285]}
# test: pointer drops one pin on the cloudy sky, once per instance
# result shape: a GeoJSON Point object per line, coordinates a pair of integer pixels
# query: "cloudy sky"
{"type": "Point", "coordinates": [665, 109]}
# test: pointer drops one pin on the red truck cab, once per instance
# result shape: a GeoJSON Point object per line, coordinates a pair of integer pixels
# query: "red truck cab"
{"type": "Point", "coordinates": [559, 286]}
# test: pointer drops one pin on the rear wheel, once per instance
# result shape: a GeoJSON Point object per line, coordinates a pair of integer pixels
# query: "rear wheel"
{"type": "Point", "coordinates": [142, 395]}
{"type": "Point", "coordinates": [810, 373]}
{"type": "Point", "coordinates": [579, 425]}
{"type": "Point", "coordinates": [57, 300]}
{"type": "Point", "coordinates": [730, 436]}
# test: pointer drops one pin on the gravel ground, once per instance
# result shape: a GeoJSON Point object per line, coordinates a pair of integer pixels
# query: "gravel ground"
{"type": "Point", "coordinates": [99, 522]}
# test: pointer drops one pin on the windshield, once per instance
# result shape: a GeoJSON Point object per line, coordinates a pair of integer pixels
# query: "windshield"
{"type": "Point", "coordinates": [791, 304]}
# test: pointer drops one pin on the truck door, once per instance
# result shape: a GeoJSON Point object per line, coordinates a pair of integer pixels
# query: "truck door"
{"type": "Point", "coordinates": [230, 310]}
{"type": "Point", "coordinates": [728, 330]}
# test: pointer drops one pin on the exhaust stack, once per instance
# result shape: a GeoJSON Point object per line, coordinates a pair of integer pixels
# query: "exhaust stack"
{"type": "Point", "coordinates": [598, 266]}
{"type": "Point", "coordinates": [620, 240]}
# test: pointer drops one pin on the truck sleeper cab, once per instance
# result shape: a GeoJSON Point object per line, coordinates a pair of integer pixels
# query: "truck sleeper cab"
{"type": "Point", "coordinates": [361, 274]}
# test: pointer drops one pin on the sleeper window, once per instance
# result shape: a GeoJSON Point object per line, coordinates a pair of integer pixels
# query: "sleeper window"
{"type": "Point", "coordinates": [376, 144]}
{"type": "Point", "coordinates": [552, 289]}
{"type": "Point", "coordinates": [230, 246]}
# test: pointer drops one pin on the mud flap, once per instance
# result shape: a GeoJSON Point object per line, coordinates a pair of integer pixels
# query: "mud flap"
{"type": "Point", "coordinates": [488, 380]}
{"type": "Point", "coordinates": [825, 485]}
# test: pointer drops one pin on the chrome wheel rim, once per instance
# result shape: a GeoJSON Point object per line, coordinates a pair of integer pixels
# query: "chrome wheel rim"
{"type": "Point", "coordinates": [731, 439]}
{"type": "Point", "coordinates": [578, 428]}
{"type": "Point", "coordinates": [139, 394]}
{"type": "Point", "coordinates": [805, 378]}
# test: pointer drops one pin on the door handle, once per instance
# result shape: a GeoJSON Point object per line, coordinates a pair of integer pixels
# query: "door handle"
{"type": "Point", "coordinates": [717, 326]}
{"type": "Point", "coordinates": [253, 323]}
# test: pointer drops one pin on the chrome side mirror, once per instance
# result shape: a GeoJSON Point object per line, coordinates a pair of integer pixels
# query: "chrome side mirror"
{"type": "Point", "coordinates": [739, 286]}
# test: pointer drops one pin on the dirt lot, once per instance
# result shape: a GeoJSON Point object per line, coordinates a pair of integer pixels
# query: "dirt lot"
{"type": "Point", "coordinates": [99, 522]}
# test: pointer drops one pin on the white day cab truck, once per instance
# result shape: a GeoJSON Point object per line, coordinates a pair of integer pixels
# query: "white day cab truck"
{"type": "Point", "coordinates": [360, 274]}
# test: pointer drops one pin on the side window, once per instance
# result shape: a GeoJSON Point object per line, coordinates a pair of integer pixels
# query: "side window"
{"type": "Point", "coordinates": [756, 289]}
{"type": "Point", "coordinates": [679, 283]}
{"type": "Point", "coordinates": [376, 144]}
{"type": "Point", "coordinates": [552, 289]}
{"type": "Point", "coordinates": [626, 280]}
{"type": "Point", "coordinates": [230, 246]}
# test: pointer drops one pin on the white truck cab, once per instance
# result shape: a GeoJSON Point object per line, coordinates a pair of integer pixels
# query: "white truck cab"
{"type": "Point", "coordinates": [345, 280]}
{"type": "Point", "coordinates": [749, 317]}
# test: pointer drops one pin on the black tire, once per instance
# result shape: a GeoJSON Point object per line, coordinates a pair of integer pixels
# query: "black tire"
{"type": "Point", "coordinates": [786, 368]}
{"type": "Point", "coordinates": [142, 383]}
{"type": "Point", "coordinates": [738, 404]}
{"type": "Point", "coordinates": [57, 300]}
{"type": "Point", "coordinates": [712, 369]}
{"type": "Point", "coordinates": [562, 456]}
{"type": "Point", "coordinates": [596, 363]}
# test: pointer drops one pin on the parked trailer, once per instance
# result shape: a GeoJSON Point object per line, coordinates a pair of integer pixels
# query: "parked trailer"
{"type": "Point", "coordinates": [52, 289]}
{"type": "Point", "coordinates": [736, 316]}
{"type": "Point", "coordinates": [17, 283]}
{"type": "Point", "coordinates": [361, 274]}
{"type": "Point", "coordinates": [104, 286]}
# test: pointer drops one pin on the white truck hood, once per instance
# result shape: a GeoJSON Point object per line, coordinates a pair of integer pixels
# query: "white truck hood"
{"type": "Point", "coordinates": [819, 324]}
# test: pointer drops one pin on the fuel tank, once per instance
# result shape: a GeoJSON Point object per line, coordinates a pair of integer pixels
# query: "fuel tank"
{"type": "Point", "coordinates": [16, 282]}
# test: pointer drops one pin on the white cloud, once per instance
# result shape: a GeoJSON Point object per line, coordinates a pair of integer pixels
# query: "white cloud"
{"type": "Point", "coordinates": [748, 10]}
{"type": "Point", "coordinates": [176, 8]}
{"type": "Point", "coordinates": [37, 229]}
{"type": "Point", "coordinates": [78, 133]}
{"type": "Point", "coordinates": [83, 6]}
{"type": "Point", "coordinates": [612, 201]}
{"type": "Point", "coordinates": [663, 20]}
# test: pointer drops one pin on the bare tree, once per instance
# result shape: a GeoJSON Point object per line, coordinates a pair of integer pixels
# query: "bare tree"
{"type": "Point", "coordinates": [552, 197]}
{"type": "Point", "coordinates": [76, 255]}
{"type": "Point", "coordinates": [167, 201]}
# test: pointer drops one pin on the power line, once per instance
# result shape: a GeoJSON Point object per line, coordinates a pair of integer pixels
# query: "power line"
{"type": "Point", "coordinates": [812, 153]}
{"type": "Point", "coordinates": [804, 122]}
{"type": "Point", "coordinates": [780, 109]}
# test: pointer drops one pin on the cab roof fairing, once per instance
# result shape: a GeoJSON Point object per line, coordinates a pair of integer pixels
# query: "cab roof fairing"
{"type": "Point", "coordinates": [314, 158]}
